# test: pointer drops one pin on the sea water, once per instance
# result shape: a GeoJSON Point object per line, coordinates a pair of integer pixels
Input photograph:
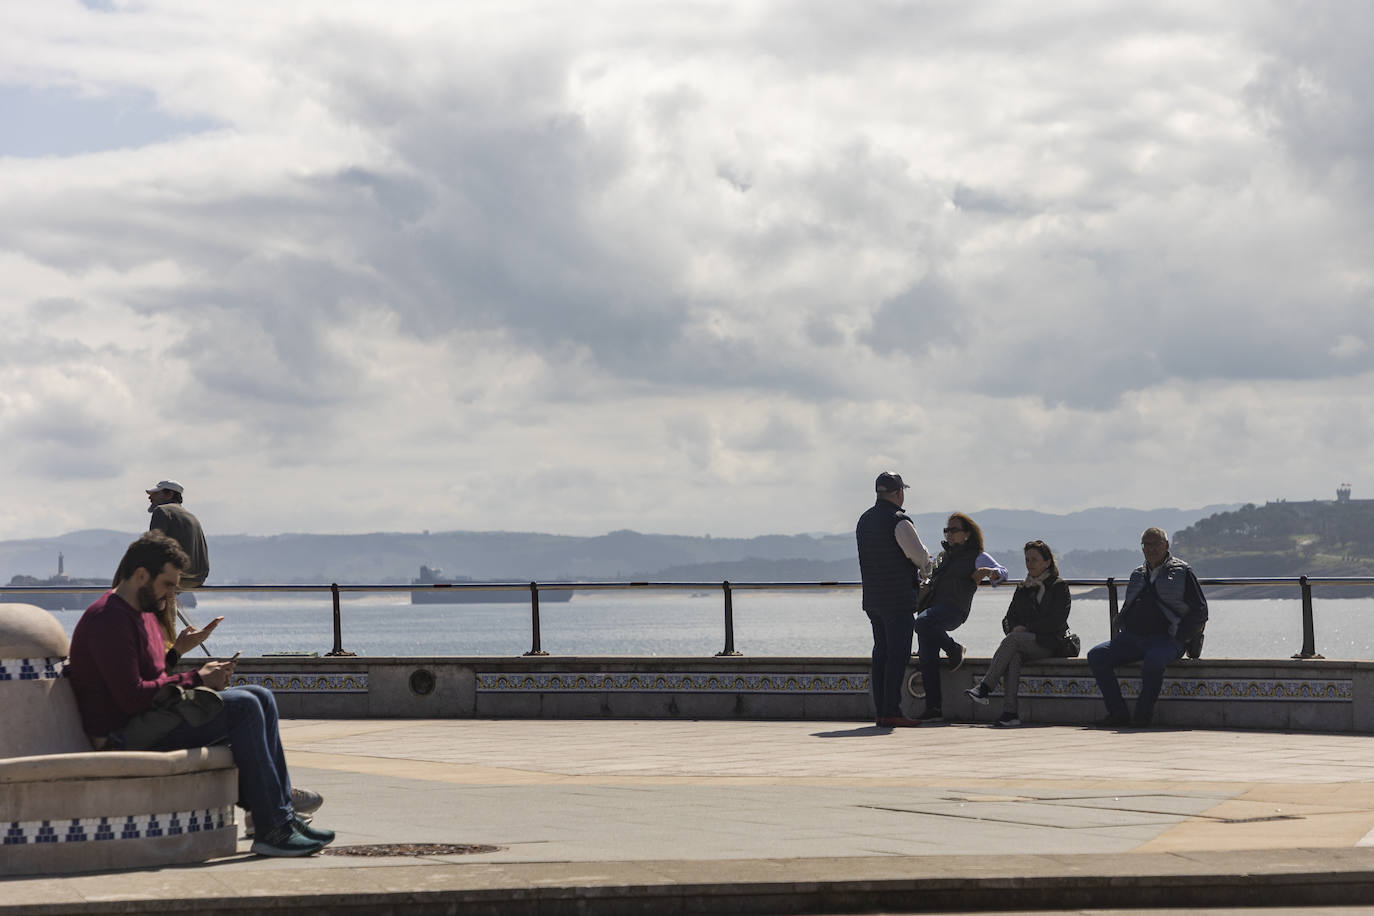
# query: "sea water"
{"type": "Point", "coordinates": [677, 623]}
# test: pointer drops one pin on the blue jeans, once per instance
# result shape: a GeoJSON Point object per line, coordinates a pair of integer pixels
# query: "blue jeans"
{"type": "Point", "coordinates": [891, 652]}
{"type": "Point", "coordinates": [1154, 654]}
{"type": "Point", "coordinates": [249, 724]}
{"type": "Point", "coordinates": [932, 634]}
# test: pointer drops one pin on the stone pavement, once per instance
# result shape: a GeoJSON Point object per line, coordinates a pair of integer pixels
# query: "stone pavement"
{"type": "Point", "coordinates": [643, 816]}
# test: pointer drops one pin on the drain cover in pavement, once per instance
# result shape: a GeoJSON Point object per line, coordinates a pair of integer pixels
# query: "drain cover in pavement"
{"type": "Point", "coordinates": [410, 849]}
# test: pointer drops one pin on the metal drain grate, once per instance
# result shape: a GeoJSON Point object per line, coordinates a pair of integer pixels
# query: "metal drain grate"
{"type": "Point", "coordinates": [411, 849]}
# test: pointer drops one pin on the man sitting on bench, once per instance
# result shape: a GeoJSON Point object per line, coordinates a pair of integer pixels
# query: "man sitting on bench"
{"type": "Point", "coordinates": [123, 691]}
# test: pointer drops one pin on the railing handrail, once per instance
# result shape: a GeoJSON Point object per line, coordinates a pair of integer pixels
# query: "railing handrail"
{"type": "Point", "coordinates": [1294, 580]}
{"type": "Point", "coordinates": [1304, 585]}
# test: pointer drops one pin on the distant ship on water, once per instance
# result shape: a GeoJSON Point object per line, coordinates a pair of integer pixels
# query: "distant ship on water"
{"type": "Point", "coordinates": [59, 600]}
{"type": "Point", "coordinates": [441, 595]}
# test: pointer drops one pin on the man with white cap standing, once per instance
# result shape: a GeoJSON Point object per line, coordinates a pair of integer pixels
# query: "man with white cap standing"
{"type": "Point", "coordinates": [173, 520]}
{"type": "Point", "coordinates": [892, 561]}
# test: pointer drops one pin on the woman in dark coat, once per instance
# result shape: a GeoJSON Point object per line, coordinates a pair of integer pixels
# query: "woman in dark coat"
{"type": "Point", "coordinates": [1036, 624]}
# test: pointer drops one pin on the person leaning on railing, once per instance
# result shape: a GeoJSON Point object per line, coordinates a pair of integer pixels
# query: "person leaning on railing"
{"type": "Point", "coordinates": [946, 601]}
{"type": "Point", "coordinates": [1164, 610]}
{"type": "Point", "coordinates": [1037, 627]}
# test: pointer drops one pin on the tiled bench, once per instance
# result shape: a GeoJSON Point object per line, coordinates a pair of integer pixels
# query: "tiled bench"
{"type": "Point", "coordinates": [65, 808]}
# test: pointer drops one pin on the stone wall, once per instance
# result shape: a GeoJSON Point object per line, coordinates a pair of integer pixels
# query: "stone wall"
{"type": "Point", "coordinates": [1313, 695]}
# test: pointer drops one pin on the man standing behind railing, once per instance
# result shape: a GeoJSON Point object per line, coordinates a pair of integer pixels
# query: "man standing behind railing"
{"type": "Point", "coordinates": [177, 522]}
{"type": "Point", "coordinates": [891, 561]}
{"type": "Point", "coordinates": [1164, 609]}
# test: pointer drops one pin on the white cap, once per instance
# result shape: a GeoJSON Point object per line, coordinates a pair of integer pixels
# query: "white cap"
{"type": "Point", "coordinates": [168, 485]}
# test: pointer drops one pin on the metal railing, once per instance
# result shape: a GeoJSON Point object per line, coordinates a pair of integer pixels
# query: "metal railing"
{"type": "Point", "coordinates": [1112, 585]}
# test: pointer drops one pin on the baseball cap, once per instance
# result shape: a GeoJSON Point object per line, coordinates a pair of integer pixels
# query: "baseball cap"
{"type": "Point", "coordinates": [167, 485]}
{"type": "Point", "coordinates": [888, 482]}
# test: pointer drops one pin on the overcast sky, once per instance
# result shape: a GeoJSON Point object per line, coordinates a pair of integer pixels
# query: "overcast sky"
{"type": "Point", "coordinates": [678, 267]}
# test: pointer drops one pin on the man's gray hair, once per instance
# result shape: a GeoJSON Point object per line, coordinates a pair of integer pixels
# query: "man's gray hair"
{"type": "Point", "coordinates": [1157, 532]}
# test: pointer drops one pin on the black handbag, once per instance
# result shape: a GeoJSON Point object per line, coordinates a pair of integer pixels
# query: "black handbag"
{"type": "Point", "coordinates": [1070, 646]}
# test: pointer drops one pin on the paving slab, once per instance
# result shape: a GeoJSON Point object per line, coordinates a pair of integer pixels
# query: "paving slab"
{"type": "Point", "coordinates": [615, 815]}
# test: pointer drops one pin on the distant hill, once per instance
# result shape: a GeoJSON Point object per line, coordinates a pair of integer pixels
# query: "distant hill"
{"type": "Point", "coordinates": [1090, 543]}
{"type": "Point", "coordinates": [1315, 538]}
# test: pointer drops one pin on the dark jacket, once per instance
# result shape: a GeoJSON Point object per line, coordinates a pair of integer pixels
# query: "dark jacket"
{"type": "Point", "coordinates": [1175, 597]}
{"type": "Point", "coordinates": [889, 577]}
{"type": "Point", "coordinates": [1047, 618]}
{"type": "Point", "coordinates": [184, 528]}
{"type": "Point", "coordinates": [951, 584]}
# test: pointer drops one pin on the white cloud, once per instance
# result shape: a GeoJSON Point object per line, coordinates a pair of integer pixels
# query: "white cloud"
{"type": "Point", "coordinates": [682, 267]}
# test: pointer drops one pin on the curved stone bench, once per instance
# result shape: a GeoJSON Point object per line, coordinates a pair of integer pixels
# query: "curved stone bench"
{"type": "Point", "coordinates": [65, 808]}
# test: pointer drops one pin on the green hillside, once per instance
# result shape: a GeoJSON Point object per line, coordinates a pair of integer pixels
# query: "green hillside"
{"type": "Point", "coordinates": [1315, 538]}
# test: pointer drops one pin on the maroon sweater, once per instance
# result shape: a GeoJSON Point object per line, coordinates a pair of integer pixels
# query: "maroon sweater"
{"type": "Point", "coordinates": [117, 664]}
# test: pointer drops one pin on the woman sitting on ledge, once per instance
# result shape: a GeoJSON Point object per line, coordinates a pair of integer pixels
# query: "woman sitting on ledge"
{"type": "Point", "coordinates": [1036, 625]}
{"type": "Point", "coordinates": [946, 600]}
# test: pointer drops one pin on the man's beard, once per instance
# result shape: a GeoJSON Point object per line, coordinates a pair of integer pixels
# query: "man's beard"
{"type": "Point", "coordinates": [149, 602]}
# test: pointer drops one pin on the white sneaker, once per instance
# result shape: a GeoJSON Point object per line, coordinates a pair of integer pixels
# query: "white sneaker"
{"type": "Point", "coordinates": [978, 693]}
{"type": "Point", "coordinates": [303, 801]}
{"type": "Point", "coordinates": [1007, 720]}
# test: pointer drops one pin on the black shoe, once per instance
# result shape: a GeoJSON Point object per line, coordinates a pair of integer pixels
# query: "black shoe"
{"type": "Point", "coordinates": [1007, 720]}
{"type": "Point", "coordinates": [286, 841]}
{"type": "Point", "coordinates": [1113, 720]}
{"type": "Point", "coordinates": [956, 658]}
{"type": "Point", "coordinates": [1138, 722]}
{"type": "Point", "coordinates": [318, 834]}
{"type": "Point", "coordinates": [978, 693]}
{"type": "Point", "coordinates": [929, 714]}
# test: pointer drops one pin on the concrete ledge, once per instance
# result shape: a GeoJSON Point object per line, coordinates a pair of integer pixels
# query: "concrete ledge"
{"type": "Point", "coordinates": [1314, 695]}
{"type": "Point", "coordinates": [1298, 877]}
{"type": "Point", "coordinates": [113, 764]}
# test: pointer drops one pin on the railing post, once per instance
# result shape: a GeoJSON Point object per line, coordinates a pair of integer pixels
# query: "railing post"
{"type": "Point", "coordinates": [534, 620]}
{"type": "Point", "coordinates": [1112, 606]}
{"type": "Point", "coordinates": [1309, 631]}
{"type": "Point", "coordinates": [338, 624]}
{"type": "Point", "coordinates": [729, 649]}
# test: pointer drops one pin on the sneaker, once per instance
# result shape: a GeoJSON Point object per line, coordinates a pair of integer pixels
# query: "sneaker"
{"type": "Point", "coordinates": [978, 693]}
{"type": "Point", "coordinates": [318, 834]}
{"type": "Point", "coordinates": [1113, 720]}
{"type": "Point", "coordinates": [303, 801]}
{"type": "Point", "coordinates": [930, 714]}
{"type": "Point", "coordinates": [1007, 720]}
{"type": "Point", "coordinates": [956, 658]}
{"type": "Point", "coordinates": [286, 841]}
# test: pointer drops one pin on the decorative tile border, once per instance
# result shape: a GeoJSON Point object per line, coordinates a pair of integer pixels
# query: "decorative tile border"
{"type": "Point", "coordinates": [1299, 690]}
{"type": "Point", "coordinates": [30, 669]}
{"type": "Point", "coordinates": [301, 682]}
{"type": "Point", "coordinates": [115, 827]}
{"type": "Point", "coordinates": [671, 682]}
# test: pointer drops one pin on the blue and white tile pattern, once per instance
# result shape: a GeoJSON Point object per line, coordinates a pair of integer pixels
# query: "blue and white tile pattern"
{"type": "Point", "coordinates": [117, 827]}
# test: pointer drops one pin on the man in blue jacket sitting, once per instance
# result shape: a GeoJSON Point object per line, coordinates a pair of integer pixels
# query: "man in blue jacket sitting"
{"type": "Point", "coordinates": [1164, 610]}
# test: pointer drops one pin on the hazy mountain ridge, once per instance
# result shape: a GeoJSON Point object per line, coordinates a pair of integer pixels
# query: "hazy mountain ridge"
{"type": "Point", "coordinates": [1092, 542]}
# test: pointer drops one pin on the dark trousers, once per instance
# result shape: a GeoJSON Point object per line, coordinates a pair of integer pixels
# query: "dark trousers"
{"type": "Point", "coordinates": [891, 652]}
{"type": "Point", "coordinates": [249, 724]}
{"type": "Point", "coordinates": [932, 634]}
{"type": "Point", "coordinates": [1154, 653]}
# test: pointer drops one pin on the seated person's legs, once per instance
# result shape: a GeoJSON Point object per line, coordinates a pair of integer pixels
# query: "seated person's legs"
{"type": "Point", "coordinates": [1103, 659]}
{"type": "Point", "coordinates": [931, 627]}
{"type": "Point", "coordinates": [1160, 652]}
{"type": "Point", "coordinates": [1025, 649]}
{"type": "Point", "coordinates": [262, 789]}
